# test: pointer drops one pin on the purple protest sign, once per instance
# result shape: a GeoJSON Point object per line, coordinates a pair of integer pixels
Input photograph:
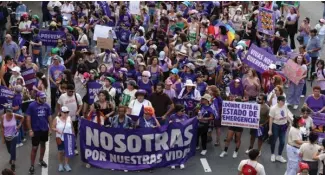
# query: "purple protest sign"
{"type": "Point", "coordinates": [137, 149]}
{"type": "Point", "coordinates": [319, 122]}
{"type": "Point", "coordinates": [6, 96]}
{"type": "Point", "coordinates": [50, 38]}
{"type": "Point", "coordinates": [29, 76]}
{"type": "Point", "coordinates": [93, 89]}
{"type": "Point", "coordinates": [266, 21]}
{"type": "Point", "coordinates": [258, 59]}
{"type": "Point", "coordinates": [240, 114]}
{"type": "Point", "coordinates": [69, 144]}
{"type": "Point", "coordinates": [189, 104]}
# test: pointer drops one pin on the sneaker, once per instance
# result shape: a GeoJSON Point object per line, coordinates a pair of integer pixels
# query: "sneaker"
{"type": "Point", "coordinates": [223, 154]}
{"type": "Point", "coordinates": [182, 166]}
{"type": "Point", "coordinates": [31, 170]}
{"type": "Point", "coordinates": [302, 96]}
{"type": "Point", "coordinates": [67, 168]}
{"type": "Point", "coordinates": [43, 164]}
{"type": "Point", "coordinates": [203, 152]}
{"type": "Point", "coordinates": [88, 166]}
{"type": "Point", "coordinates": [280, 159]}
{"type": "Point", "coordinates": [76, 152]}
{"type": "Point", "coordinates": [235, 154]}
{"type": "Point", "coordinates": [126, 171]}
{"type": "Point", "coordinates": [247, 151]}
{"type": "Point", "coordinates": [273, 158]}
{"type": "Point", "coordinates": [24, 140]}
{"type": "Point", "coordinates": [172, 167]}
{"type": "Point", "coordinates": [13, 167]}
{"type": "Point", "coordinates": [295, 107]}
{"type": "Point", "coordinates": [198, 148]}
{"type": "Point", "coordinates": [61, 169]}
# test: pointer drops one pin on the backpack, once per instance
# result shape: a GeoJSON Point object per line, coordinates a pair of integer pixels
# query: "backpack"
{"type": "Point", "coordinates": [249, 169]}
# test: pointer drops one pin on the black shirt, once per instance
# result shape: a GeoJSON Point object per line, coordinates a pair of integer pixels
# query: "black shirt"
{"type": "Point", "coordinates": [160, 102]}
{"type": "Point", "coordinates": [3, 16]}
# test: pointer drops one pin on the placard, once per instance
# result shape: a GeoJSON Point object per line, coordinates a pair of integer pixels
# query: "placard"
{"type": "Point", "coordinates": [266, 21]}
{"type": "Point", "coordinates": [293, 71]}
{"type": "Point", "coordinates": [105, 43]}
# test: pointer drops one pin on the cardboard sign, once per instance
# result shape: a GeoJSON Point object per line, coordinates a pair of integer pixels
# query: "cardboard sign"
{"type": "Point", "coordinates": [293, 71]}
{"type": "Point", "coordinates": [135, 7]}
{"type": "Point", "coordinates": [105, 43]}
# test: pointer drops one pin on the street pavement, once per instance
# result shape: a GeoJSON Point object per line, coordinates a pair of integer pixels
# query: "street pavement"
{"type": "Point", "coordinates": [222, 166]}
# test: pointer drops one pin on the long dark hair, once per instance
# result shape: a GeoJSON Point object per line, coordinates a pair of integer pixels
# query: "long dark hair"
{"type": "Point", "coordinates": [295, 122]}
{"type": "Point", "coordinates": [42, 77]}
{"type": "Point", "coordinates": [68, 75]}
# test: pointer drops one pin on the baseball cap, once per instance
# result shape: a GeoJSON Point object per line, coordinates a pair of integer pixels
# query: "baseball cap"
{"type": "Point", "coordinates": [65, 109]}
{"type": "Point", "coordinates": [41, 95]}
{"type": "Point", "coordinates": [272, 66]}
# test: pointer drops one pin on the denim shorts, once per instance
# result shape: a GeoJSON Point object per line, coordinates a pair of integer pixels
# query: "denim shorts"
{"type": "Point", "coordinates": [61, 146]}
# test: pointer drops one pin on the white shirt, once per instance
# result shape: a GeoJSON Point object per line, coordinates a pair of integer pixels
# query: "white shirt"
{"type": "Point", "coordinates": [320, 29]}
{"type": "Point", "coordinates": [52, 4]}
{"type": "Point", "coordinates": [23, 25]}
{"type": "Point", "coordinates": [275, 98]}
{"type": "Point", "coordinates": [136, 106]}
{"type": "Point", "coordinates": [111, 91]}
{"type": "Point", "coordinates": [197, 95]}
{"type": "Point", "coordinates": [280, 115]}
{"type": "Point", "coordinates": [294, 134]}
{"type": "Point", "coordinates": [67, 9]}
{"type": "Point", "coordinates": [70, 102]}
{"type": "Point", "coordinates": [258, 167]}
{"type": "Point", "coordinates": [63, 127]}
{"type": "Point", "coordinates": [83, 39]}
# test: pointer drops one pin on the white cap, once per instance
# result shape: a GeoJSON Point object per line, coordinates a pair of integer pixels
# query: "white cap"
{"type": "Point", "coordinates": [162, 55]}
{"type": "Point", "coordinates": [16, 69]}
{"type": "Point", "coordinates": [146, 73]}
{"type": "Point", "coordinates": [65, 109]}
{"type": "Point", "coordinates": [153, 46]}
{"type": "Point", "coordinates": [272, 66]}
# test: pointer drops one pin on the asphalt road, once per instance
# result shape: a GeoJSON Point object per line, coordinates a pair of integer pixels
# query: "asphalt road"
{"type": "Point", "coordinates": [224, 166]}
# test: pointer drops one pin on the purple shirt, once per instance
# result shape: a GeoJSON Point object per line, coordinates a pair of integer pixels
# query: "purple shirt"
{"type": "Point", "coordinates": [315, 104]}
{"type": "Point", "coordinates": [56, 72]}
{"type": "Point", "coordinates": [39, 114]}
{"type": "Point", "coordinates": [177, 118]}
{"type": "Point", "coordinates": [17, 100]}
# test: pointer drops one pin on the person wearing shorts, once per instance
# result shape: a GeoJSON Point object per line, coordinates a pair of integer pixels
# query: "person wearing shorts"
{"type": "Point", "coordinates": [38, 119]}
{"type": "Point", "coordinates": [233, 131]}
{"type": "Point", "coordinates": [264, 120]}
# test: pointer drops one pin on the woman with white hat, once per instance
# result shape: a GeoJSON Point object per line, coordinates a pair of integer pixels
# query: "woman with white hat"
{"type": "Point", "coordinates": [62, 124]}
{"type": "Point", "coordinates": [238, 20]}
{"type": "Point", "coordinates": [205, 115]}
{"type": "Point", "coordinates": [189, 91]}
{"type": "Point", "coordinates": [145, 83]}
{"type": "Point", "coordinates": [15, 75]}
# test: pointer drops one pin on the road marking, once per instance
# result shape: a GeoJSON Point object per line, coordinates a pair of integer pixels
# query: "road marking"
{"type": "Point", "coordinates": [45, 171]}
{"type": "Point", "coordinates": [205, 165]}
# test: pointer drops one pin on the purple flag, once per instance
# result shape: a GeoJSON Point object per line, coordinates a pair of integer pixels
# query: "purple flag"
{"type": "Point", "coordinates": [50, 38]}
{"type": "Point", "coordinates": [21, 41]}
{"type": "Point", "coordinates": [259, 59]}
{"type": "Point", "coordinates": [29, 76]}
{"type": "Point", "coordinates": [266, 21]}
{"type": "Point", "coordinates": [137, 149]}
{"type": "Point", "coordinates": [93, 89]}
{"type": "Point", "coordinates": [105, 7]}
{"type": "Point", "coordinates": [69, 143]}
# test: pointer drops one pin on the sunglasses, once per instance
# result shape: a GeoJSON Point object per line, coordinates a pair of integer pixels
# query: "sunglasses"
{"type": "Point", "coordinates": [65, 112]}
{"type": "Point", "coordinates": [144, 76]}
{"type": "Point", "coordinates": [71, 91]}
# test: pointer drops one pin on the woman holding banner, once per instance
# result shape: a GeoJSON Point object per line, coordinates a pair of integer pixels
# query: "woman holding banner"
{"type": "Point", "coordinates": [233, 131]}
{"type": "Point", "coordinates": [62, 124]}
{"type": "Point", "coordinates": [294, 141]}
{"type": "Point", "coordinates": [148, 120]}
{"type": "Point", "coordinates": [205, 115]}
{"type": "Point", "coordinates": [296, 89]}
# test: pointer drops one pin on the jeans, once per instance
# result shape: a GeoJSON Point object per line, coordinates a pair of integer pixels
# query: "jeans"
{"type": "Point", "coordinates": [53, 98]}
{"type": "Point", "coordinates": [11, 148]}
{"type": "Point", "coordinates": [293, 96]}
{"type": "Point", "coordinates": [278, 132]}
{"type": "Point", "coordinates": [203, 133]}
{"type": "Point", "coordinates": [2, 36]}
{"type": "Point", "coordinates": [313, 65]}
{"type": "Point", "coordinates": [304, 90]}
{"type": "Point", "coordinates": [39, 58]}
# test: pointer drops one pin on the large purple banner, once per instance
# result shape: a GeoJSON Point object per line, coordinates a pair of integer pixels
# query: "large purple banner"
{"type": "Point", "coordinates": [319, 122]}
{"type": "Point", "coordinates": [137, 149]}
{"type": "Point", "coordinates": [93, 89]}
{"type": "Point", "coordinates": [29, 76]}
{"type": "Point", "coordinates": [259, 59]}
{"type": "Point", "coordinates": [266, 21]}
{"type": "Point", "coordinates": [50, 38]}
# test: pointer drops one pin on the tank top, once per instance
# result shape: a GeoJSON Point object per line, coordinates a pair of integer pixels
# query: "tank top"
{"type": "Point", "coordinates": [9, 126]}
{"type": "Point", "coordinates": [155, 75]}
{"type": "Point", "coordinates": [63, 127]}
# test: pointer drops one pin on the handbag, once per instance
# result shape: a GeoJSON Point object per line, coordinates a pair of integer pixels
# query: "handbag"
{"type": "Point", "coordinates": [36, 52]}
{"type": "Point", "coordinates": [58, 139]}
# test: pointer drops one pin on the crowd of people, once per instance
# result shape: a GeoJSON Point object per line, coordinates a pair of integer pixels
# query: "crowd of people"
{"type": "Point", "coordinates": [166, 54]}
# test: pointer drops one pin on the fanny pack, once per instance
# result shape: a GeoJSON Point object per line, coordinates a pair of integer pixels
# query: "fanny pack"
{"type": "Point", "coordinates": [10, 138]}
